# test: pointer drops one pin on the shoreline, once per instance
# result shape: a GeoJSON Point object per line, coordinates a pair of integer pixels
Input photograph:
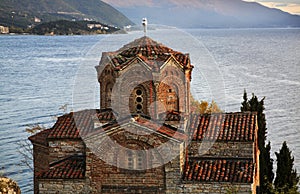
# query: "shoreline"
{"type": "Point", "coordinates": [125, 32]}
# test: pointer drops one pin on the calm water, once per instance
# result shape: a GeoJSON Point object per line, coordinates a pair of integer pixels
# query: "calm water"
{"type": "Point", "coordinates": [38, 74]}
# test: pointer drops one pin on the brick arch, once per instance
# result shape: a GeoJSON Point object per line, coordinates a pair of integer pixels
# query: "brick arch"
{"type": "Point", "coordinates": [135, 98]}
{"type": "Point", "coordinates": [107, 72]}
{"type": "Point", "coordinates": [108, 91]}
{"type": "Point", "coordinates": [151, 155]}
{"type": "Point", "coordinates": [171, 93]}
{"type": "Point", "coordinates": [126, 93]}
{"type": "Point", "coordinates": [107, 81]}
{"type": "Point", "coordinates": [170, 70]}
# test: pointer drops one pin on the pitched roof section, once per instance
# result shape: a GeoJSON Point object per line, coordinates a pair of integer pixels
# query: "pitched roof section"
{"type": "Point", "coordinates": [68, 126]}
{"type": "Point", "coordinates": [144, 46]}
{"type": "Point", "coordinates": [160, 128]}
{"type": "Point", "coordinates": [154, 54]}
{"type": "Point", "coordinates": [70, 168]}
{"type": "Point", "coordinates": [223, 127]}
{"type": "Point", "coordinates": [170, 116]}
{"type": "Point", "coordinates": [219, 170]}
{"type": "Point", "coordinates": [40, 137]}
{"type": "Point", "coordinates": [215, 127]}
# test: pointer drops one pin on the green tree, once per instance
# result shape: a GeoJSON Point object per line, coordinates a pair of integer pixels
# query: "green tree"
{"type": "Point", "coordinates": [265, 160]}
{"type": "Point", "coordinates": [269, 167]}
{"type": "Point", "coordinates": [286, 177]}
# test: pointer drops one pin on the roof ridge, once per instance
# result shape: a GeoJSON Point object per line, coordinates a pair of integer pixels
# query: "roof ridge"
{"type": "Point", "coordinates": [227, 113]}
{"type": "Point", "coordinates": [72, 157]}
{"type": "Point", "coordinates": [147, 47]}
{"type": "Point", "coordinates": [220, 158]}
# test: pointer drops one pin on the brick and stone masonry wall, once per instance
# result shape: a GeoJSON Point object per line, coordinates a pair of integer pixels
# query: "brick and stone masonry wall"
{"type": "Point", "coordinates": [47, 186]}
{"type": "Point", "coordinates": [222, 149]}
{"type": "Point", "coordinates": [40, 161]}
{"type": "Point", "coordinates": [138, 74]}
{"type": "Point", "coordinates": [173, 173]}
{"type": "Point", "coordinates": [60, 149]}
{"type": "Point", "coordinates": [107, 178]}
{"type": "Point", "coordinates": [215, 188]}
{"type": "Point", "coordinates": [103, 176]}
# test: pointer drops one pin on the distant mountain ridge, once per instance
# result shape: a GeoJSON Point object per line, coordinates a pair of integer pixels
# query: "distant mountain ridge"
{"type": "Point", "coordinates": [26, 12]}
{"type": "Point", "coordinates": [205, 13]}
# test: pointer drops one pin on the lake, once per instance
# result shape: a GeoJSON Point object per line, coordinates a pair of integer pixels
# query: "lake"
{"type": "Point", "coordinates": [38, 74]}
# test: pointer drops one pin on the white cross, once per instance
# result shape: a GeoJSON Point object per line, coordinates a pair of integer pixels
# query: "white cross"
{"type": "Point", "coordinates": [145, 23]}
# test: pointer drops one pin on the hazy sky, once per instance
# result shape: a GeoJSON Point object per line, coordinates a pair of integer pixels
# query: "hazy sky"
{"type": "Point", "coordinates": [291, 6]}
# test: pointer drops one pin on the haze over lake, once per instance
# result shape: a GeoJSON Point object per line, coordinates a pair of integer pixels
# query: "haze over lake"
{"type": "Point", "coordinates": [38, 74]}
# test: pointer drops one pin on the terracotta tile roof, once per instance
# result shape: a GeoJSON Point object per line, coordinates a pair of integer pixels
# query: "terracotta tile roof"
{"type": "Point", "coordinates": [154, 54]}
{"type": "Point", "coordinates": [163, 129]}
{"type": "Point", "coordinates": [68, 126]}
{"type": "Point", "coordinates": [219, 170]}
{"type": "Point", "coordinates": [223, 127]}
{"type": "Point", "coordinates": [40, 137]}
{"type": "Point", "coordinates": [105, 115]}
{"type": "Point", "coordinates": [170, 116]}
{"type": "Point", "coordinates": [70, 168]}
{"type": "Point", "coordinates": [145, 46]}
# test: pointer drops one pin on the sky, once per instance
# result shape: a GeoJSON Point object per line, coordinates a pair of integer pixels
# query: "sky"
{"type": "Point", "coordinates": [291, 6]}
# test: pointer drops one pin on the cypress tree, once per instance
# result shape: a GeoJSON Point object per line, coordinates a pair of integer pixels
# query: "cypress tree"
{"type": "Point", "coordinates": [265, 160]}
{"type": "Point", "coordinates": [245, 103]}
{"type": "Point", "coordinates": [286, 180]}
{"type": "Point", "coordinates": [269, 169]}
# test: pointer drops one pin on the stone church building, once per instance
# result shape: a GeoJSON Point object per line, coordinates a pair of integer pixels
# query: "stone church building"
{"type": "Point", "coordinates": [144, 138]}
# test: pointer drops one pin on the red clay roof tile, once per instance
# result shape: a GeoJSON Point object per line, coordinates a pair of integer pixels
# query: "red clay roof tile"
{"type": "Point", "coordinates": [40, 137]}
{"type": "Point", "coordinates": [70, 168]}
{"type": "Point", "coordinates": [154, 54]}
{"type": "Point", "coordinates": [161, 128]}
{"type": "Point", "coordinates": [223, 127]}
{"type": "Point", "coordinates": [170, 116]}
{"type": "Point", "coordinates": [68, 126]}
{"type": "Point", "coordinates": [219, 170]}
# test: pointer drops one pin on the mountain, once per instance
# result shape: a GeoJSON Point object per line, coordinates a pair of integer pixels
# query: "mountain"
{"type": "Point", "coordinates": [205, 13]}
{"type": "Point", "coordinates": [65, 27]}
{"type": "Point", "coordinates": [22, 13]}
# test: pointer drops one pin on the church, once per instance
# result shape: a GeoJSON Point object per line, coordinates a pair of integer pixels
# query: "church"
{"type": "Point", "coordinates": [144, 138]}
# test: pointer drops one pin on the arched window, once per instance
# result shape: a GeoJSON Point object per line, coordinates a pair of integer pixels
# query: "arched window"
{"type": "Point", "coordinates": [108, 92]}
{"type": "Point", "coordinates": [138, 101]}
{"type": "Point", "coordinates": [130, 160]}
{"type": "Point", "coordinates": [135, 160]}
{"type": "Point", "coordinates": [172, 100]}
